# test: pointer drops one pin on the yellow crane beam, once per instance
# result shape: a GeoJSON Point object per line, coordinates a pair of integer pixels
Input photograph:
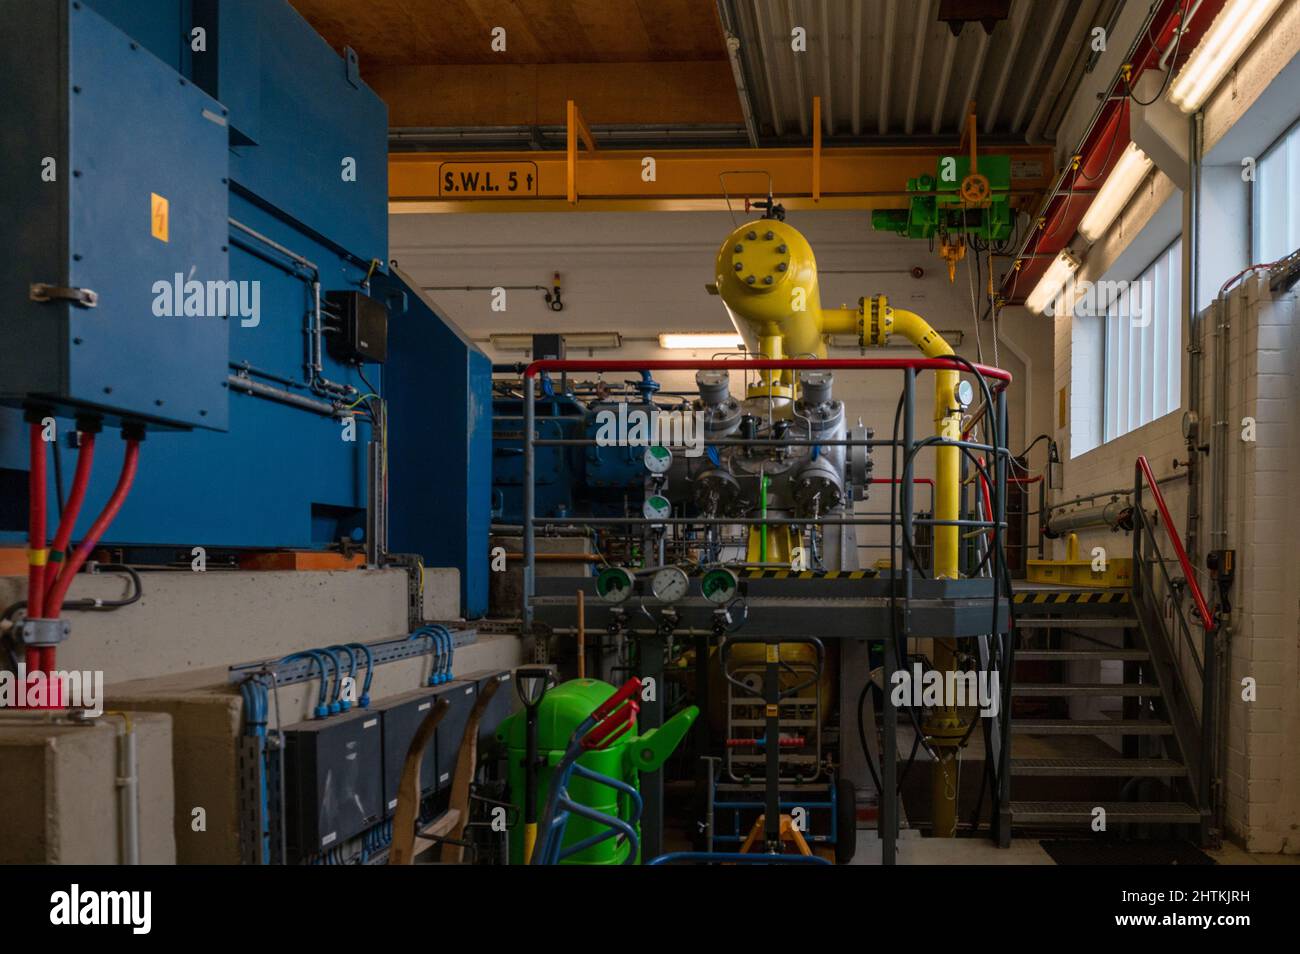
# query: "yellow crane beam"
{"type": "Point", "coordinates": [675, 180]}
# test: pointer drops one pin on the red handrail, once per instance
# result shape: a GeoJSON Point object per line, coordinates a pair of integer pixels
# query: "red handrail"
{"type": "Point", "coordinates": [1202, 610]}
{"type": "Point", "coordinates": [767, 364]}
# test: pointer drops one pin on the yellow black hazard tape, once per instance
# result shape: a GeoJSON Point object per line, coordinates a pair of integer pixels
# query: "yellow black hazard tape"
{"type": "Point", "coordinates": [1094, 596]}
{"type": "Point", "coordinates": [809, 574]}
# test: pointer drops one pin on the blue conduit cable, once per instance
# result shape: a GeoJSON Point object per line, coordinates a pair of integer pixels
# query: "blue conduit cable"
{"type": "Point", "coordinates": [448, 644]}
{"type": "Point", "coordinates": [322, 709]}
{"type": "Point", "coordinates": [364, 701]}
{"type": "Point", "coordinates": [439, 675]}
{"type": "Point", "coordinates": [424, 633]}
{"type": "Point", "coordinates": [344, 702]}
{"type": "Point", "coordinates": [335, 706]}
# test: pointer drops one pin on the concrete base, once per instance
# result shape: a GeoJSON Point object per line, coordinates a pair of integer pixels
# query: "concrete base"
{"type": "Point", "coordinates": [192, 621]}
{"type": "Point", "coordinates": [59, 789]}
{"type": "Point", "coordinates": [167, 657]}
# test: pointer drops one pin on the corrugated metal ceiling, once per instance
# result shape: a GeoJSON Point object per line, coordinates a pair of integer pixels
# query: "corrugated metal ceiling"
{"type": "Point", "coordinates": [889, 68]}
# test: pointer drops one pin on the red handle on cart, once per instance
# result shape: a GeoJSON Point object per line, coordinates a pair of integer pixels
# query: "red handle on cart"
{"type": "Point", "coordinates": [626, 692]}
{"type": "Point", "coordinates": [612, 728]}
{"type": "Point", "coordinates": [614, 716]}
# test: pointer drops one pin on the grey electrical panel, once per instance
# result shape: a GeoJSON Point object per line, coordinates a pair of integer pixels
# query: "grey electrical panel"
{"type": "Point", "coordinates": [461, 696]}
{"type": "Point", "coordinates": [333, 781]}
{"type": "Point", "coordinates": [402, 716]}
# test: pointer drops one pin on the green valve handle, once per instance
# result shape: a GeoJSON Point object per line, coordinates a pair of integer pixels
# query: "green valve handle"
{"type": "Point", "coordinates": [650, 751]}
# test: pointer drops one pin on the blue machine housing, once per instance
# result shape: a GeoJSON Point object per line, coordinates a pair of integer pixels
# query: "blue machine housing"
{"type": "Point", "coordinates": [591, 479]}
{"type": "Point", "coordinates": [108, 194]}
{"type": "Point", "coordinates": [439, 389]}
{"type": "Point", "coordinates": [297, 152]}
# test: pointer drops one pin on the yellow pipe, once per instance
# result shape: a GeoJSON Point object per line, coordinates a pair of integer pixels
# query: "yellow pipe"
{"type": "Point", "coordinates": [766, 275]}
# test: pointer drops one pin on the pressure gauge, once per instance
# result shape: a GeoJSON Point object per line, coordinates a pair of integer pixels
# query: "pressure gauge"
{"type": "Point", "coordinates": [614, 584]}
{"type": "Point", "coordinates": [719, 586]}
{"type": "Point", "coordinates": [669, 584]}
{"type": "Point", "coordinates": [658, 459]}
{"type": "Point", "coordinates": [657, 507]}
{"type": "Point", "coordinates": [963, 393]}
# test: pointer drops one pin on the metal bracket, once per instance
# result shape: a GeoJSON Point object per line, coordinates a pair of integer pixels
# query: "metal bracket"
{"type": "Point", "coordinates": [351, 69]}
{"type": "Point", "coordinates": [85, 297]}
{"type": "Point", "coordinates": [45, 632]}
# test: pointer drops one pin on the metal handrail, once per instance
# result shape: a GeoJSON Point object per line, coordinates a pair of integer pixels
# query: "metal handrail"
{"type": "Point", "coordinates": [1190, 736]}
{"type": "Point", "coordinates": [1143, 469]}
{"type": "Point", "coordinates": [1184, 630]}
{"type": "Point", "coordinates": [1000, 375]}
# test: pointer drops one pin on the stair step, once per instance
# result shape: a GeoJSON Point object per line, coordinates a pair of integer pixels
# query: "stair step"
{"type": "Point", "coordinates": [1098, 768]}
{"type": "Point", "coordinates": [1058, 813]}
{"type": "Point", "coordinates": [1091, 727]}
{"type": "Point", "coordinates": [1078, 622]}
{"type": "Point", "coordinates": [1070, 655]}
{"type": "Point", "coordinates": [1024, 689]}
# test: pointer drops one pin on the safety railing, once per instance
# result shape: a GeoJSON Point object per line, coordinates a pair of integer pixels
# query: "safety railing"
{"type": "Point", "coordinates": [1177, 656]}
{"type": "Point", "coordinates": [997, 378]}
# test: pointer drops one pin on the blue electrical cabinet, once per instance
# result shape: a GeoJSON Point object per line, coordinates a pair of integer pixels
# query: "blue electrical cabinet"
{"type": "Point", "coordinates": [439, 388]}
{"type": "Point", "coordinates": [271, 154]}
{"type": "Point", "coordinates": [282, 138]}
{"type": "Point", "coordinates": [111, 271]}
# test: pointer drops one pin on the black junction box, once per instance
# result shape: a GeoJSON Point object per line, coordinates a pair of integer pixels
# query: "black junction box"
{"type": "Point", "coordinates": [361, 327]}
{"type": "Point", "coordinates": [461, 696]}
{"type": "Point", "coordinates": [402, 716]}
{"type": "Point", "coordinates": [504, 702]}
{"type": "Point", "coordinates": [333, 781]}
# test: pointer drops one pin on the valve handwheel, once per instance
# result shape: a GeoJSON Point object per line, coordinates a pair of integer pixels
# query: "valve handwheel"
{"type": "Point", "coordinates": [975, 189]}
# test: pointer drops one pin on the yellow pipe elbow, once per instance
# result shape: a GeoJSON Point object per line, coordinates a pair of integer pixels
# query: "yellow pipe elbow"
{"type": "Point", "coordinates": [879, 321]}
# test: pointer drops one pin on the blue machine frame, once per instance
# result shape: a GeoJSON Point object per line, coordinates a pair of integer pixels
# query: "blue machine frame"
{"type": "Point", "coordinates": [265, 125]}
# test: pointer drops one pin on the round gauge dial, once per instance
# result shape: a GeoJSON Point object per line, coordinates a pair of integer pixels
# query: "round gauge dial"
{"type": "Point", "coordinates": [658, 459]}
{"type": "Point", "coordinates": [719, 586]}
{"type": "Point", "coordinates": [669, 584]}
{"type": "Point", "coordinates": [657, 507]}
{"type": "Point", "coordinates": [614, 584]}
{"type": "Point", "coordinates": [964, 393]}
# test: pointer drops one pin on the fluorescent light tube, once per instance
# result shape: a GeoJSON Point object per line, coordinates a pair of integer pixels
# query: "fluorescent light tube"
{"type": "Point", "coordinates": [1237, 24]}
{"type": "Point", "coordinates": [705, 341]}
{"type": "Point", "coordinates": [1042, 299]}
{"type": "Point", "coordinates": [1132, 168]}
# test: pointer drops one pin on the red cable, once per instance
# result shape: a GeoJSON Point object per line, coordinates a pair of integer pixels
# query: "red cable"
{"type": "Point", "coordinates": [80, 481]}
{"type": "Point", "coordinates": [106, 517]}
{"type": "Point", "coordinates": [36, 555]}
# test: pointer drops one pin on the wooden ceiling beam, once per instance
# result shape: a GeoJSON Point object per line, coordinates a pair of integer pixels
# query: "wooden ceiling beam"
{"type": "Point", "coordinates": [535, 94]}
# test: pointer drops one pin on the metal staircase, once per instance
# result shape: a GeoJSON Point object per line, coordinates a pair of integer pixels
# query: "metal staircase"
{"type": "Point", "coordinates": [1156, 775]}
